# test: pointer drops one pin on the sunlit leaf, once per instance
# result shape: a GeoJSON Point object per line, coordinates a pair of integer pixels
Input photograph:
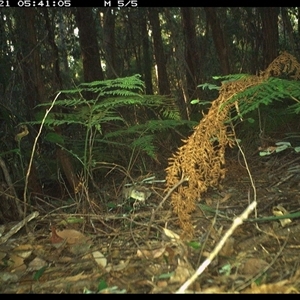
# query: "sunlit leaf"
{"type": "Point", "coordinates": [281, 148]}
{"type": "Point", "coordinates": [225, 270]}
{"type": "Point", "coordinates": [297, 149]}
{"type": "Point", "coordinates": [208, 86]}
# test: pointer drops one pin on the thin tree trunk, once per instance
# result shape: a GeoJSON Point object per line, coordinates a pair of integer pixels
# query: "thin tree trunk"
{"type": "Point", "coordinates": [288, 29]}
{"type": "Point", "coordinates": [147, 62]}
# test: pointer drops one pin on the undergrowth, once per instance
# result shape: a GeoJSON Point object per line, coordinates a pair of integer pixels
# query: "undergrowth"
{"type": "Point", "coordinates": [108, 121]}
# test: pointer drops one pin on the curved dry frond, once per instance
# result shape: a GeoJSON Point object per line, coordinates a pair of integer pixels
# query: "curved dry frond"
{"type": "Point", "coordinates": [202, 157]}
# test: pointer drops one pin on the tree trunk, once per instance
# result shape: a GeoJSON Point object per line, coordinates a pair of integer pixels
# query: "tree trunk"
{"type": "Point", "coordinates": [288, 28]}
{"type": "Point", "coordinates": [30, 63]}
{"type": "Point", "coordinates": [109, 43]}
{"type": "Point", "coordinates": [89, 45]}
{"type": "Point", "coordinates": [30, 57]}
{"type": "Point", "coordinates": [192, 55]}
{"type": "Point", "coordinates": [162, 76]}
{"type": "Point", "coordinates": [62, 43]}
{"type": "Point", "coordinates": [219, 40]}
{"type": "Point", "coordinates": [147, 62]}
{"type": "Point", "coordinates": [269, 20]}
{"type": "Point", "coordinates": [176, 36]}
{"type": "Point", "coordinates": [56, 83]}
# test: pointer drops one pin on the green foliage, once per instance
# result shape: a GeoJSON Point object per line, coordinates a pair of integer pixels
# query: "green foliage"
{"type": "Point", "coordinates": [230, 77]}
{"type": "Point", "coordinates": [208, 86]}
{"type": "Point", "coordinates": [103, 117]}
{"type": "Point", "coordinates": [265, 93]}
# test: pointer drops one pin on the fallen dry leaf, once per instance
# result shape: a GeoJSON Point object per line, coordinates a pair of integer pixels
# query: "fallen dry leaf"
{"type": "Point", "coordinates": [100, 259]}
{"type": "Point", "coordinates": [70, 236]}
{"type": "Point", "coordinates": [171, 234]}
{"type": "Point", "coordinates": [228, 248]}
{"type": "Point", "coordinates": [119, 267]}
{"type": "Point", "coordinates": [281, 287]}
{"type": "Point", "coordinates": [23, 251]}
{"type": "Point", "coordinates": [17, 263]}
{"type": "Point", "coordinates": [56, 240]}
{"type": "Point", "coordinates": [183, 272]}
{"type": "Point", "coordinates": [36, 264]}
{"type": "Point", "coordinates": [150, 254]}
{"type": "Point", "coordinates": [253, 266]}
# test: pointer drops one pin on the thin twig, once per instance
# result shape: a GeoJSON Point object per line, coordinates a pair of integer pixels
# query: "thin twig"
{"type": "Point", "coordinates": [18, 226]}
{"type": "Point", "coordinates": [11, 186]}
{"type": "Point", "coordinates": [32, 153]}
{"type": "Point", "coordinates": [238, 221]}
{"type": "Point", "coordinates": [182, 180]}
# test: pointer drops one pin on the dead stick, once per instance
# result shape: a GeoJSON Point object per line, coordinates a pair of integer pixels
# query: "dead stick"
{"type": "Point", "coordinates": [182, 180]}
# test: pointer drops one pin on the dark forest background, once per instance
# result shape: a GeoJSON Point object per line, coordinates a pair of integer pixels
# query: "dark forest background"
{"type": "Point", "coordinates": [46, 50]}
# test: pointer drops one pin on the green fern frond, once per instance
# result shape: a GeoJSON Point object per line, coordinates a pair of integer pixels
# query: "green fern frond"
{"type": "Point", "coordinates": [145, 143]}
{"type": "Point", "coordinates": [273, 89]}
{"type": "Point", "coordinates": [125, 84]}
{"type": "Point", "coordinates": [87, 116]}
{"type": "Point", "coordinates": [231, 77]}
{"type": "Point", "coordinates": [65, 103]}
{"type": "Point", "coordinates": [115, 102]}
{"type": "Point", "coordinates": [152, 126]}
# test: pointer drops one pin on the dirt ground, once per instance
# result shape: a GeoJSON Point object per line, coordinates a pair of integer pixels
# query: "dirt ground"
{"type": "Point", "coordinates": [129, 248]}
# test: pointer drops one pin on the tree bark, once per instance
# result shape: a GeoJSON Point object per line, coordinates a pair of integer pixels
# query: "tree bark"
{"type": "Point", "coordinates": [162, 76]}
{"type": "Point", "coordinates": [56, 84]}
{"type": "Point", "coordinates": [147, 62]}
{"type": "Point", "coordinates": [109, 43]}
{"type": "Point", "coordinates": [218, 38]}
{"type": "Point", "coordinates": [89, 45]}
{"type": "Point", "coordinates": [30, 57]}
{"type": "Point", "coordinates": [269, 20]}
{"type": "Point", "coordinates": [192, 55]}
{"type": "Point", "coordinates": [30, 62]}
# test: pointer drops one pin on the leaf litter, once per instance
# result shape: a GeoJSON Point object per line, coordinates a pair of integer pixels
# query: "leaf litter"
{"type": "Point", "coordinates": [111, 253]}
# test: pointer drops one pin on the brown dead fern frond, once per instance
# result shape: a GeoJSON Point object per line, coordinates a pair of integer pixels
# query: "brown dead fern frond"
{"type": "Point", "coordinates": [202, 158]}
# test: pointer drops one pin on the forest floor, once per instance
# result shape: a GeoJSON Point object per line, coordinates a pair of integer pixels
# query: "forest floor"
{"type": "Point", "coordinates": [121, 251]}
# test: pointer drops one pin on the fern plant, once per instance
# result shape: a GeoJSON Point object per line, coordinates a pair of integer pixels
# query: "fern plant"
{"type": "Point", "coordinates": [265, 93]}
{"type": "Point", "coordinates": [84, 119]}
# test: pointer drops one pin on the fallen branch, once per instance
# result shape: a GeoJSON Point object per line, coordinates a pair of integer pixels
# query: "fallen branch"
{"type": "Point", "coordinates": [17, 227]}
{"type": "Point", "coordinates": [238, 221]}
